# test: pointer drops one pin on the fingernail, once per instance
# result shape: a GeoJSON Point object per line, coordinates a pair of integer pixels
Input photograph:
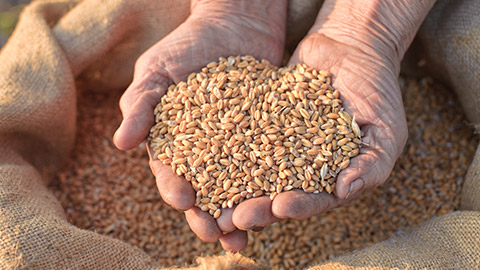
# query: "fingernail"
{"type": "Point", "coordinates": [355, 186]}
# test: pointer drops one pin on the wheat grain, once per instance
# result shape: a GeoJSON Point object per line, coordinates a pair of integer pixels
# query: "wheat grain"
{"type": "Point", "coordinates": [244, 128]}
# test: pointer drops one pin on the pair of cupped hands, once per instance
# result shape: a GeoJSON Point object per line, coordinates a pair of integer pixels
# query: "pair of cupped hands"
{"type": "Point", "coordinates": [365, 74]}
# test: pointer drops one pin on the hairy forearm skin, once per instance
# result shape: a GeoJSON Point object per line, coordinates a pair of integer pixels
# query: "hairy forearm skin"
{"type": "Point", "coordinates": [381, 28]}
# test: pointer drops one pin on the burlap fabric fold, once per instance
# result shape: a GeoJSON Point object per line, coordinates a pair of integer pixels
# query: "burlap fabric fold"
{"type": "Point", "coordinates": [60, 41]}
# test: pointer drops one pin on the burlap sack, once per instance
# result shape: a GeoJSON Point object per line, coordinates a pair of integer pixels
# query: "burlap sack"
{"type": "Point", "coordinates": [55, 41]}
{"type": "Point", "coordinates": [58, 41]}
{"type": "Point", "coordinates": [447, 48]}
{"type": "Point", "coordinates": [451, 241]}
{"type": "Point", "coordinates": [449, 41]}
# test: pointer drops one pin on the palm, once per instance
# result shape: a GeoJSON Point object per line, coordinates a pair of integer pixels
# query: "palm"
{"type": "Point", "coordinates": [195, 43]}
{"type": "Point", "coordinates": [370, 91]}
{"type": "Point", "coordinates": [187, 49]}
{"type": "Point", "coordinates": [198, 41]}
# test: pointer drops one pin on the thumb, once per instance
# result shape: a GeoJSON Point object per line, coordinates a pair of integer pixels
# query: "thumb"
{"type": "Point", "coordinates": [370, 168]}
{"type": "Point", "coordinates": [137, 105]}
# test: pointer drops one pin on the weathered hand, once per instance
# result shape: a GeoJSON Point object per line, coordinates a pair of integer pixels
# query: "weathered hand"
{"type": "Point", "coordinates": [214, 29]}
{"type": "Point", "coordinates": [367, 78]}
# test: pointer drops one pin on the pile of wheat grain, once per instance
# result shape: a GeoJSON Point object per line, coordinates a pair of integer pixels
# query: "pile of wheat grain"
{"type": "Point", "coordinates": [242, 128]}
{"type": "Point", "coordinates": [113, 192]}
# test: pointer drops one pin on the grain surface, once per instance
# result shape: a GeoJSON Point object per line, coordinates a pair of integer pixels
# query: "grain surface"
{"type": "Point", "coordinates": [242, 128]}
{"type": "Point", "coordinates": [113, 192]}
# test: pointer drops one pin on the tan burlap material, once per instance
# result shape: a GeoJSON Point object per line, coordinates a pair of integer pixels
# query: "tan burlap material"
{"type": "Point", "coordinates": [451, 241]}
{"type": "Point", "coordinates": [59, 41]}
{"type": "Point", "coordinates": [449, 41]}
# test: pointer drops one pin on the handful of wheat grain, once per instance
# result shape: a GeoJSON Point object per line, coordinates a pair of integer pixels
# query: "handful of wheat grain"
{"type": "Point", "coordinates": [242, 128]}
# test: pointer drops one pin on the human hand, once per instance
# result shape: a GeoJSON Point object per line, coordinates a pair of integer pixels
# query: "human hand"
{"type": "Point", "coordinates": [214, 28]}
{"type": "Point", "coordinates": [363, 50]}
{"type": "Point", "coordinates": [369, 90]}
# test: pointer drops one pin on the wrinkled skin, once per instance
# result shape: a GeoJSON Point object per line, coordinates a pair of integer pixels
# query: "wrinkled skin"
{"type": "Point", "coordinates": [366, 77]}
{"type": "Point", "coordinates": [362, 49]}
{"type": "Point", "coordinates": [370, 91]}
{"type": "Point", "coordinates": [212, 30]}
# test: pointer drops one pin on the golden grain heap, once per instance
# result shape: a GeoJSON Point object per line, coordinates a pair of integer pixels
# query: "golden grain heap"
{"type": "Point", "coordinates": [242, 128]}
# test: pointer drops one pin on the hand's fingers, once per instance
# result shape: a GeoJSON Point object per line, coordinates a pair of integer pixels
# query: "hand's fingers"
{"type": "Point", "coordinates": [370, 168]}
{"type": "Point", "coordinates": [137, 105]}
{"type": "Point", "coordinates": [225, 222]}
{"type": "Point", "coordinates": [252, 213]}
{"type": "Point", "coordinates": [137, 119]}
{"type": "Point", "coordinates": [203, 225]}
{"type": "Point", "coordinates": [297, 204]}
{"type": "Point", "coordinates": [235, 241]}
{"type": "Point", "coordinates": [175, 190]}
